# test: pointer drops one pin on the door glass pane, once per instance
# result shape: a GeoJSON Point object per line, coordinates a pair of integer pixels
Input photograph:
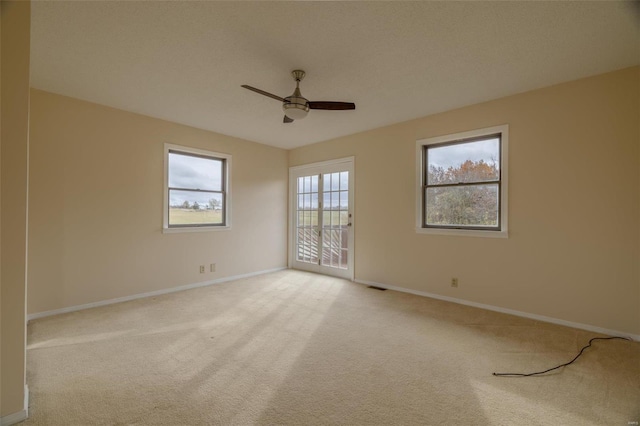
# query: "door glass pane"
{"type": "Point", "coordinates": [335, 181]}
{"type": "Point", "coordinates": [307, 219]}
{"type": "Point", "coordinates": [344, 239]}
{"type": "Point", "coordinates": [311, 218]}
{"type": "Point", "coordinates": [335, 219]}
{"type": "Point", "coordinates": [335, 200]}
{"type": "Point", "coordinates": [344, 200]}
{"type": "Point", "coordinates": [344, 218]}
{"type": "Point", "coordinates": [344, 181]}
{"type": "Point", "coordinates": [307, 244]}
{"type": "Point", "coordinates": [335, 258]}
{"type": "Point", "coordinates": [330, 247]}
{"type": "Point", "coordinates": [300, 244]}
{"type": "Point", "coordinates": [344, 257]}
{"type": "Point", "coordinates": [326, 248]}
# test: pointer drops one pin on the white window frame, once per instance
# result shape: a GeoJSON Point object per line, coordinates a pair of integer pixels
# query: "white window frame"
{"type": "Point", "coordinates": [503, 130]}
{"type": "Point", "coordinates": [227, 189]}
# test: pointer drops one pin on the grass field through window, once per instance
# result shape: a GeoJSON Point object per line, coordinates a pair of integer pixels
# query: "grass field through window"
{"type": "Point", "coordinates": [181, 216]}
{"type": "Point", "coordinates": [331, 218]}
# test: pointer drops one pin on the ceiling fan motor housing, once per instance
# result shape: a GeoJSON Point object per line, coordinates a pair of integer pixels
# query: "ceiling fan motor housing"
{"type": "Point", "coordinates": [295, 106]}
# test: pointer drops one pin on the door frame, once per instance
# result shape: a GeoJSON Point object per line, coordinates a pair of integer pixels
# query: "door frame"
{"type": "Point", "coordinates": [320, 168]}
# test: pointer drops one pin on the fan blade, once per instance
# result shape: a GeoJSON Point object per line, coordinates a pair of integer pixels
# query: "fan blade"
{"type": "Point", "coordinates": [331, 105]}
{"type": "Point", "coordinates": [262, 92]}
{"type": "Point", "coordinates": [287, 119]}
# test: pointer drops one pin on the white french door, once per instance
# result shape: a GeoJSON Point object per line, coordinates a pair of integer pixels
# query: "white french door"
{"type": "Point", "coordinates": [321, 217]}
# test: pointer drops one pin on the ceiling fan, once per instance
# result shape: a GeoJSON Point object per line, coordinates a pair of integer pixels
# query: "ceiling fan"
{"type": "Point", "coordinates": [296, 107]}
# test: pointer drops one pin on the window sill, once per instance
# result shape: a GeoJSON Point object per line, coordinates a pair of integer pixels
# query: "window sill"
{"type": "Point", "coordinates": [195, 229]}
{"type": "Point", "coordinates": [463, 232]}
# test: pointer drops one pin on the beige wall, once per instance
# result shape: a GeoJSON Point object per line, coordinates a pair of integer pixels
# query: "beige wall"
{"type": "Point", "coordinates": [574, 203]}
{"type": "Point", "coordinates": [574, 192]}
{"type": "Point", "coordinates": [96, 202]}
{"type": "Point", "coordinates": [15, 18]}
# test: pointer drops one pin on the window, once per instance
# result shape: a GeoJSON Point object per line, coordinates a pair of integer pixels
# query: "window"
{"type": "Point", "coordinates": [462, 183]}
{"type": "Point", "coordinates": [196, 189]}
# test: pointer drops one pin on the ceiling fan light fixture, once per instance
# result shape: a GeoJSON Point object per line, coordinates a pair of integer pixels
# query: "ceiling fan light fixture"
{"type": "Point", "coordinates": [295, 108]}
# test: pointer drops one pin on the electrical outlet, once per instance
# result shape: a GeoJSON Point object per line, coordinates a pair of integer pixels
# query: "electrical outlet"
{"type": "Point", "coordinates": [212, 267]}
{"type": "Point", "coordinates": [202, 269]}
{"type": "Point", "coordinates": [454, 282]}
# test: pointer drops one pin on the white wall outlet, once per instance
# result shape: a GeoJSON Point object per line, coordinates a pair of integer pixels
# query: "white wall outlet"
{"type": "Point", "coordinates": [212, 267]}
{"type": "Point", "coordinates": [454, 282]}
{"type": "Point", "coordinates": [202, 269]}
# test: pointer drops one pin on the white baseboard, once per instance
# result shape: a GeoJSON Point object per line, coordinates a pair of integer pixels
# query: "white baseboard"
{"type": "Point", "coordinates": [542, 318]}
{"type": "Point", "coordinates": [14, 418]}
{"type": "Point", "coordinates": [21, 415]}
{"type": "Point", "coordinates": [149, 294]}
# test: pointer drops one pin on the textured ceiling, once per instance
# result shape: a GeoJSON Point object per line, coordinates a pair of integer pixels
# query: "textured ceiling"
{"type": "Point", "coordinates": [185, 61]}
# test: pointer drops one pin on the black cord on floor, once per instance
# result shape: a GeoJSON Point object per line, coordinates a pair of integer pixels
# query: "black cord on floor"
{"type": "Point", "coordinates": [561, 365]}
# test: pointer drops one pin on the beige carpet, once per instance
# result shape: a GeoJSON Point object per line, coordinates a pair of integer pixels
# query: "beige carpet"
{"type": "Point", "coordinates": [294, 348]}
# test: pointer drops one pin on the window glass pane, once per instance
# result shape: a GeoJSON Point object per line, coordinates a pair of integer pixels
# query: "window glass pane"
{"type": "Point", "coordinates": [314, 200]}
{"type": "Point", "coordinates": [186, 171]}
{"type": "Point", "coordinates": [300, 184]}
{"type": "Point", "coordinates": [467, 205]}
{"type": "Point", "coordinates": [314, 183]}
{"type": "Point", "coordinates": [477, 161]}
{"type": "Point", "coordinates": [195, 208]}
